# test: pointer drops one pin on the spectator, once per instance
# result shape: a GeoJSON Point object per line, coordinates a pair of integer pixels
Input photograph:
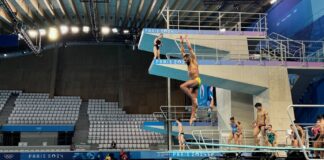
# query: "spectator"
{"type": "Point", "coordinates": [113, 145]}
{"type": "Point", "coordinates": [72, 147]}
{"type": "Point", "coordinates": [123, 155]}
{"type": "Point", "coordinates": [108, 157]}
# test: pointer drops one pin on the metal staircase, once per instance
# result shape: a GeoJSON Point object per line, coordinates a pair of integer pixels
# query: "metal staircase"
{"type": "Point", "coordinates": [82, 125]}
{"type": "Point", "coordinates": [8, 107]}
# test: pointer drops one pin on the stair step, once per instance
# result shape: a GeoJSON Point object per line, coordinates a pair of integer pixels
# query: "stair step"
{"type": "Point", "coordinates": [82, 126]}
{"type": "Point", "coordinates": [7, 109]}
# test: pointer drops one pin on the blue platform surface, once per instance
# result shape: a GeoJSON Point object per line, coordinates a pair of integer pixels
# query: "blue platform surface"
{"type": "Point", "coordinates": [168, 68]}
{"type": "Point", "coordinates": [147, 39]}
{"type": "Point", "coordinates": [37, 128]}
{"type": "Point", "coordinates": [170, 39]}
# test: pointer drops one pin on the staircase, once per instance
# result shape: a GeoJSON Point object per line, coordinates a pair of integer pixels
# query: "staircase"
{"type": "Point", "coordinates": [8, 107]}
{"type": "Point", "coordinates": [82, 126]}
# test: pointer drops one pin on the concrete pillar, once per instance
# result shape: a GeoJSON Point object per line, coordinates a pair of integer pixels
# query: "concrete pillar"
{"type": "Point", "coordinates": [242, 109]}
{"type": "Point", "coordinates": [121, 78]}
{"type": "Point", "coordinates": [54, 71]}
{"type": "Point", "coordinates": [223, 98]}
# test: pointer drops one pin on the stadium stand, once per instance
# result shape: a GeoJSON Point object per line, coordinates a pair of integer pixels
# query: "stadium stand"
{"type": "Point", "coordinates": [38, 108]}
{"type": "Point", "coordinates": [34, 148]}
{"type": "Point", "coordinates": [110, 123]}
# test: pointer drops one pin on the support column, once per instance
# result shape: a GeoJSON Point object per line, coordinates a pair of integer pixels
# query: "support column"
{"type": "Point", "coordinates": [224, 108]}
{"type": "Point", "coordinates": [169, 128]}
{"type": "Point", "coordinates": [121, 78]}
{"type": "Point", "coordinates": [54, 71]}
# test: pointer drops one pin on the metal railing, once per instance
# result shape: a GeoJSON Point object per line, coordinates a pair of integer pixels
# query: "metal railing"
{"type": "Point", "coordinates": [214, 20]}
{"type": "Point", "coordinates": [184, 113]}
{"type": "Point", "coordinates": [206, 137]}
{"type": "Point", "coordinates": [300, 141]}
{"type": "Point", "coordinates": [256, 49]}
{"type": "Point", "coordinates": [293, 47]}
{"type": "Point", "coordinates": [200, 137]}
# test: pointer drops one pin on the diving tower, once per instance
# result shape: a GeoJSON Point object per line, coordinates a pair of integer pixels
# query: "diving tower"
{"type": "Point", "coordinates": [236, 59]}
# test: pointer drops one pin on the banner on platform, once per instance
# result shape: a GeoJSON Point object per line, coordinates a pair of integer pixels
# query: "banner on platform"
{"type": "Point", "coordinates": [206, 96]}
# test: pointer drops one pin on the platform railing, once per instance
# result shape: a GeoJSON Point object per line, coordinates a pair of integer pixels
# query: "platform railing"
{"type": "Point", "coordinates": [183, 112]}
{"type": "Point", "coordinates": [214, 136]}
{"type": "Point", "coordinates": [293, 47]}
{"type": "Point", "coordinates": [261, 50]}
{"type": "Point", "coordinates": [291, 118]}
{"type": "Point", "coordinates": [215, 20]}
{"type": "Point", "coordinates": [205, 137]}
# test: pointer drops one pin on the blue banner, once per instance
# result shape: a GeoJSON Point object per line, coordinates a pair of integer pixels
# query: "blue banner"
{"type": "Point", "coordinates": [95, 155]}
{"type": "Point", "coordinates": [205, 95]}
{"type": "Point", "coordinates": [306, 17]}
{"type": "Point", "coordinates": [9, 40]}
{"type": "Point", "coordinates": [37, 128]}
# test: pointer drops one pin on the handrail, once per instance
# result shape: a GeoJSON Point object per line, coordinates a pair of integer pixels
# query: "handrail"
{"type": "Point", "coordinates": [182, 113]}
{"type": "Point", "coordinates": [156, 113]}
{"type": "Point", "coordinates": [283, 49]}
{"type": "Point", "coordinates": [225, 131]}
{"type": "Point", "coordinates": [289, 109]}
{"type": "Point", "coordinates": [218, 12]}
{"type": "Point", "coordinates": [216, 20]}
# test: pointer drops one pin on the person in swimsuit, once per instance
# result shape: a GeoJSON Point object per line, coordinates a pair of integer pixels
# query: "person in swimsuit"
{"type": "Point", "coordinates": [156, 46]}
{"type": "Point", "coordinates": [316, 130]}
{"type": "Point", "coordinates": [234, 132]}
{"type": "Point", "coordinates": [272, 136]}
{"type": "Point", "coordinates": [239, 133]}
{"type": "Point", "coordinates": [181, 139]}
{"type": "Point", "coordinates": [211, 100]}
{"type": "Point", "coordinates": [260, 124]}
{"type": "Point", "coordinates": [294, 138]}
{"type": "Point", "coordinates": [321, 136]}
{"type": "Point", "coordinates": [190, 87]}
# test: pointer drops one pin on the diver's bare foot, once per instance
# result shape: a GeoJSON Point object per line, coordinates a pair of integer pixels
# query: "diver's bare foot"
{"type": "Point", "coordinates": [192, 119]}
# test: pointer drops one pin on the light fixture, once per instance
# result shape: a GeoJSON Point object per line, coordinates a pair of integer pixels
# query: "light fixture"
{"type": "Point", "coordinates": [64, 29]}
{"type": "Point", "coordinates": [115, 30]}
{"type": "Point", "coordinates": [42, 32]}
{"type": "Point", "coordinates": [273, 1]}
{"type": "Point", "coordinates": [105, 30]}
{"type": "Point", "coordinates": [222, 30]}
{"type": "Point", "coordinates": [53, 33]}
{"type": "Point", "coordinates": [5, 55]}
{"type": "Point", "coordinates": [86, 29]}
{"type": "Point", "coordinates": [126, 31]}
{"type": "Point", "coordinates": [75, 29]}
{"type": "Point", "coordinates": [32, 33]}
